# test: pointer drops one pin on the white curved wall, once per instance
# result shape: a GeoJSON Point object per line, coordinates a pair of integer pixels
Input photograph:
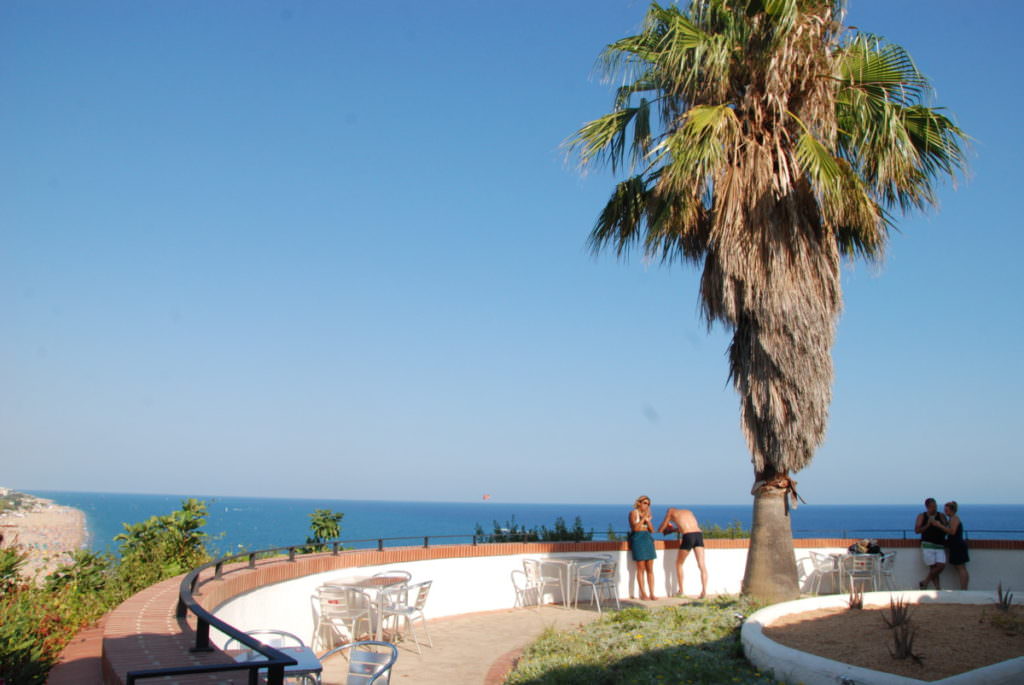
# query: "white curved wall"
{"type": "Point", "coordinates": [470, 584]}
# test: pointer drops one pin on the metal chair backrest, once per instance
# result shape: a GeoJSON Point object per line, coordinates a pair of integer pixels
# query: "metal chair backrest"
{"type": "Point", "coordinates": [269, 637]}
{"type": "Point", "coordinates": [888, 561]}
{"type": "Point", "coordinates": [590, 571]}
{"type": "Point", "coordinates": [861, 563]}
{"type": "Point", "coordinates": [532, 569]}
{"type": "Point", "coordinates": [609, 569]}
{"type": "Point", "coordinates": [520, 581]}
{"type": "Point", "coordinates": [551, 570]}
{"type": "Point", "coordinates": [422, 590]}
{"type": "Point", "coordinates": [342, 600]}
{"type": "Point", "coordinates": [365, 665]}
{"type": "Point", "coordinates": [822, 562]}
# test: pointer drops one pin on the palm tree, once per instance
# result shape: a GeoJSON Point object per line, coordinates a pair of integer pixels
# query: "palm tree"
{"type": "Point", "coordinates": [765, 141]}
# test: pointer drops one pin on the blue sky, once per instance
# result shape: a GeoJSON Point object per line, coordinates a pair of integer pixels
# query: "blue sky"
{"type": "Point", "coordinates": [333, 249]}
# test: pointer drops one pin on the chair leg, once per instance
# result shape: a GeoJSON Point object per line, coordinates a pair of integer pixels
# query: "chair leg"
{"type": "Point", "coordinates": [426, 630]}
{"type": "Point", "coordinates": [613, 594]}
{"type": "Point", "coordinates": [412, 630]}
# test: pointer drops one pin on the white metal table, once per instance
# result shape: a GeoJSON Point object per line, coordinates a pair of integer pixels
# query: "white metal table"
{"type": "Point", "coordinates": [568, 567]}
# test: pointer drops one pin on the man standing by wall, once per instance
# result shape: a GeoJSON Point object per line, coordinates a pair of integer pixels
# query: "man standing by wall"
{"type": "Point", "coordinates": [929, 525]}
{"type": "Point", "coordinates": [683, 521]}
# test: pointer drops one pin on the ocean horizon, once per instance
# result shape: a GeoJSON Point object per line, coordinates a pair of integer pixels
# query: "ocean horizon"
{"type": "Point", "coordinates": [263, 522]}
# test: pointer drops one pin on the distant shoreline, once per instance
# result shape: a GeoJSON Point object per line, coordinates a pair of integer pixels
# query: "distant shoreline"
{"type": "Point", "coordinates": [49, 533]}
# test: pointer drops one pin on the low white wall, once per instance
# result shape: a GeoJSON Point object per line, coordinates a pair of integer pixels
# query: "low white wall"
{"type": "Point", "coordinates": [461, 585]}
{"type": "Point", "coordinates": [471, 584]}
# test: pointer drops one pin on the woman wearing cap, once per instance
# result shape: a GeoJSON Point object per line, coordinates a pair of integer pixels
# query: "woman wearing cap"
{"type": "Point", "coordinates": [641, 545]}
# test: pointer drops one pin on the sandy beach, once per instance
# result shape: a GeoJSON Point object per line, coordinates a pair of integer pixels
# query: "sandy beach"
{"type": "Point", "coordinates": [48, 532]}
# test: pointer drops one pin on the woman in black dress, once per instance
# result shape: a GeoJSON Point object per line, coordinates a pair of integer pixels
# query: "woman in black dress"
{"type": "Point", "coordinates": [958, 555]}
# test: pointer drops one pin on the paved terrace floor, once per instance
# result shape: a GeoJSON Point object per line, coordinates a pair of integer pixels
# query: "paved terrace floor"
{"type": "Point", "coordinates": [479, 648]}
{"type": "Point", "coordinates": [471, 648]}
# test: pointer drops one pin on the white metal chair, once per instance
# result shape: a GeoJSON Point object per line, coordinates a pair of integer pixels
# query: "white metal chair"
{"type": "Point", "coordinates": [824, 566]}
{"type": "Point", "coordinates": [887, 570]}
{"type": "Point", "coordinates": [369, 661]}
{"type": "Point", "coordinates": [410, 612]}
{"type": "Point", "coordinates": [600, 576]}
{"type": "Point", "coordinates": [523, 588]}
{"type": "Point", "coordinates": [536, 576]}
{"type": "Point", "coordinates": [272, 638]}
{"type": "Point", "coordinates": [339, 610]}
{"type": "Point", "coordinates": [860, 567]}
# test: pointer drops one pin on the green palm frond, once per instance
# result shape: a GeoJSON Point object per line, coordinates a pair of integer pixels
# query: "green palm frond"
{"type": "Point", "coordinates": [883, 71]}
{"type": "Point", "coordinates": [621, 222]}
{"type": "Point", "coordinates": [818, 163]}
{"type": "Point", "coordinates": [645, 83]}
{"type": "Point", "coordinates": [938, 141]}
{"type": "Point", "coordinates": [897, 145]}
{"type": "Point", "coordinates": [693, 153]}
{"type": "Point", "coordinates": [667, 227]}
{"type": "Point", "coordinates": [604, 138]}
{"type": "Point", "coordinates": [859, 224]}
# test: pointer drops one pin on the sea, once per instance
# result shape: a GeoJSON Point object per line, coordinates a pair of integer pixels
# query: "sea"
{"type": "Point", "coordinates": [253, 523]}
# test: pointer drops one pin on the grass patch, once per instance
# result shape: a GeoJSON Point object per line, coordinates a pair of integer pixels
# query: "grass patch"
{"type": "Point", "coordinates": [691, 643]}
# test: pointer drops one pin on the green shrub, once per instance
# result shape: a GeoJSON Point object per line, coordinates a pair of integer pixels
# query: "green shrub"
{"type": "Point", "coordinates": [513, 532]}
{"type": "Point", "coordinates": [733, 530]}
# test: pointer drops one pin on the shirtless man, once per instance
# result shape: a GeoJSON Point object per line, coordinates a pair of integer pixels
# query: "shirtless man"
{"type": "Point", "coordinates": [683, 521]}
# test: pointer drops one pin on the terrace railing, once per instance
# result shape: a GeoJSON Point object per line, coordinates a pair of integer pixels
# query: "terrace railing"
{"type": "Point", "coordinates": [276, 661]}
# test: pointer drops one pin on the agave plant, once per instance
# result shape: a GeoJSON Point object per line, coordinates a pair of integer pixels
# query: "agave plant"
{"type": "Point", "coordinates": [1004, 600]}
{"type": "Point", "coordinates": [856, 599]}
{"type": "Point", "coordinates": [903, 643]}
{"type": "Point", "coordinates": [899, 612]}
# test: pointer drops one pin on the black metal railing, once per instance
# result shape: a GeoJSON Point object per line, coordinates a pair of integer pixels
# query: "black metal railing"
{"type": "Point", "coordinates": [274, 660]}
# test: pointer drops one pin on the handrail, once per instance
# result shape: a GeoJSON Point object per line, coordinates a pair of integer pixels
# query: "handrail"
{"type": "Point", "coordinates": [275, 660]}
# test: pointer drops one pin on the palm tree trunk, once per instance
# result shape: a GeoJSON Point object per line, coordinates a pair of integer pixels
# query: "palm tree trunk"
{"type": "Point", "coordinates": [771, 564]}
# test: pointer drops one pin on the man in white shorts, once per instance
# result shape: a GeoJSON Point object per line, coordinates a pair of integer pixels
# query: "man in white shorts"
{"type": "Point", "coordinates": [933, 542]}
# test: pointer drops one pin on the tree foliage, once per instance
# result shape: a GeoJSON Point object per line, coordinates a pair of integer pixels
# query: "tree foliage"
{"type": "Point", "coordinates": [325, 525]}
{"type": "Point", "coordinates": [763, 141]}
{"type": "Point", "coordinates": [517, 532]}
